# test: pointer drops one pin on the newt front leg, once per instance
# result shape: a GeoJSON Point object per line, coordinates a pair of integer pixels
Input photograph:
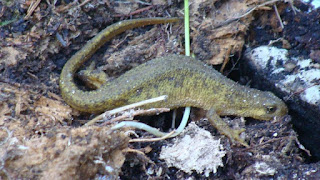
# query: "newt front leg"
{"type": "Point", "coordinates": [223, 128]}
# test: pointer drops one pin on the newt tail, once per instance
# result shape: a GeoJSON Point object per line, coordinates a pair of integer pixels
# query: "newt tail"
{"type": "Point", "coordinates": [69, 90]}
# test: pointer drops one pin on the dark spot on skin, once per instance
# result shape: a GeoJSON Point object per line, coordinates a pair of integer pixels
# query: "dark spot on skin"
{"type": "Point", "coordinates": [85, 106]}
{"type": "Point", "coordinates": [139, 91]}
{"type": "Point", "coordinates": [178, 84]}
{"type": "Point", "coordinates": [120, 102]}
{"type": "Point", "coordinates": [155, 86]}
{"type": "Point", "coordinates": [171, 79]}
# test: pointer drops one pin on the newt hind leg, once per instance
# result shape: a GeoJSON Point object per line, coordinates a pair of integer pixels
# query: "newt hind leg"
{"type": "Point", "coordinates": [223, 128]}
{"type": "Point", "coordinates": [93, 78]}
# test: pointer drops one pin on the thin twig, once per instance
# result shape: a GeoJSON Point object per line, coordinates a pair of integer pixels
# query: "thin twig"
{"type": "Point", "coordinates": [226, 59]}
{"type": "Point", "coordinates": [31, 8]}
{"type": "Point", "coordinates": [301, 91]}
{"type": "Point", "coordinates": [154, 139]}
{"type": "Point", "coordinates": [84, 3]}
{"type": "Point", "coordinates": [278, 16]}
{"type": "Point", "coordinates": [136, 113]}
{"type": "Point", "coordinates": [135, 12]}
{"type": "Point", "coordinates": [152, 130]}
{"type": "Point", "coordinates": [69, 6]}
{"type": "Point", "coordinates": [9, 134]}
{"type": "Point", "coordinates": [129, 150]}
{"type": "Point", "coordinates": [249, 11]}
{"type": "Point", "coordinates": [123, 108]}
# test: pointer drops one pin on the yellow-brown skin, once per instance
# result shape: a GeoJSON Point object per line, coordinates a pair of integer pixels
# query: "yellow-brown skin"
{"type": "Point", "coordinates": [186, 81]}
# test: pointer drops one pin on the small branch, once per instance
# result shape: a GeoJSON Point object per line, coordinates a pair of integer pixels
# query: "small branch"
{"type": "Point", "coordinates": [250, 10]}
{"type": "Point", "coordinates": [278, 16]}
{"type": "Point", "coordinates": [136, 113]}
{"type": "Point", "coordinates": [123, 108]}
{"type": "Point", "coordinates": [153, 139]}
{"type": "Point", "coordinates": [135, 12]}
{"type": "Point", "coordinates": [31, 8]}
{"type": "Point", "coordinates": [153, 130]}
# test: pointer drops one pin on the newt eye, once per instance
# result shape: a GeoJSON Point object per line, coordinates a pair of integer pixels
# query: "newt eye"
{"type": "Point", "coordinates": [271, 109]}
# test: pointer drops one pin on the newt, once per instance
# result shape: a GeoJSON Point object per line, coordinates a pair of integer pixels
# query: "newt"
{"type": "Point", "coordinates": [185, 80]}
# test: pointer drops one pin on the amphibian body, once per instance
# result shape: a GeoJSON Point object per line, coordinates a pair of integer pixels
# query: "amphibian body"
{"type": "Point", "coordinates": [185, 80]}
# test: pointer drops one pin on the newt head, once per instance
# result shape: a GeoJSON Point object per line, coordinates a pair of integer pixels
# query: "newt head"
{"type": "Point", "coordinates": [268, 106]}
{"type": "Point", "coordinates": [247, 102]}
